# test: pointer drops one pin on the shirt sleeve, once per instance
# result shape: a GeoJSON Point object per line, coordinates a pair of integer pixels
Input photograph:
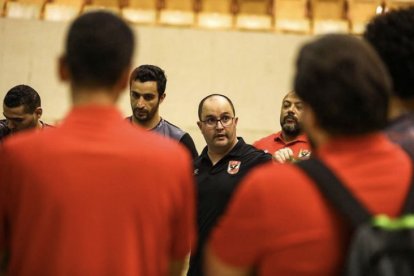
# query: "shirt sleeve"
{"type": "Point", "coordinates": [188, 142]}
{"type": "Point", "coordinates": [183, 228]}
{"type": "Point", "coordinates": [240, 235]}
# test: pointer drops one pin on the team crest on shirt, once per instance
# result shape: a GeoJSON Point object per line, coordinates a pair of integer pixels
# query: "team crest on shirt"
{"type": "Point", "coordinates": [304, 154]}
{"type": "Point", "coordinates": [233, 167]}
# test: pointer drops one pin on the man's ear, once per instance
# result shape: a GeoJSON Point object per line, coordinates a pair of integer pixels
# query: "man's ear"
{"type": "Point", "coordinates": [38, 112]}
{"type": "Point", "coordinates": [199, 125]}
{"type": "Point", "coordinates": [162, 97]}
{"type": "Point", "coordinates": [63, 69]}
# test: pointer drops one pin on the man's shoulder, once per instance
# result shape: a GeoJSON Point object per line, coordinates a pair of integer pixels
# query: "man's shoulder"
{"type": "Point", "coordinates": [266, 140]}
{"type": "Point", "coordinates": [251, 154]}
{"type": "Point", "coordinates": [401, 130]}
{"type": "Point", "coordinates": [174, 127]}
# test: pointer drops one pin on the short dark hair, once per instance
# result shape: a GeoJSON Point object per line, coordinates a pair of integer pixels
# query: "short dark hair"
{"type": "Point", "coordinates": [99, 47]}
{"type": "Point", "coordinates": [200, 106]}
{"type": "Point", "coordinates": [22, 95]}
{"type": "Point", "coordinates": [392, 36]}
{"type": "Point", "coordinates": [345, 83]}
{"type": "Point", "coordinates": [149, 72]}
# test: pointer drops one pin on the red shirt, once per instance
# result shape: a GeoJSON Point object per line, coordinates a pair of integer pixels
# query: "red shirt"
{"type": "Point", "coordinates": [95, 196]}
{"type": "Point", "coordinates": [281, 224]}
{"type": "Point", "coordinates": [274, 142]}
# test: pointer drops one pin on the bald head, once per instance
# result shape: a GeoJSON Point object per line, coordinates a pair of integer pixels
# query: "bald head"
{"type": "Point", "coordinates": [214, 97]}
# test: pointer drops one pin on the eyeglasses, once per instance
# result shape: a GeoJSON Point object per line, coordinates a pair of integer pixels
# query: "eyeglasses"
{"type": "Point", "coordinates": [212, 121]}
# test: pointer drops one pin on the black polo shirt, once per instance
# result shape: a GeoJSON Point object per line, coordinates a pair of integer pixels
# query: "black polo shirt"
{"type": "Point", "coordinates": [215, 185]}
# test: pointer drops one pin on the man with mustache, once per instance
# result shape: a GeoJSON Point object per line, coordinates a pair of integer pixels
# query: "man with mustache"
{"type": "Point", "coordinates": [147, 92]}
{"type": "Point", "coordinates": [289, 144]}
{"type": "Point", "coordinates": [220, 167]}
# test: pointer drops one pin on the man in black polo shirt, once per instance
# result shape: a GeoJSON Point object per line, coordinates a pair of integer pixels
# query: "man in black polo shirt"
{"type": "Point", "coordinates": [219, 168]}
{"type": "Point", "coordinates": [147, 92]}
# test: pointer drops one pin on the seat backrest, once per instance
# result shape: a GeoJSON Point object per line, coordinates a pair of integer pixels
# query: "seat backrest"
{"type": "Point", "coordinates": [144, 4]}
{"type": "Point", "coordinates": [291, 9]}
{"type": "Point", "coordinates": [181, 5]}
{"type": "Point", "coordinates": [363, 10]}
{"type": "Point", "coordinates": [399, 4]}
{"type": "Point", "coordinates": [259, 7]}
{"type": "Point", "coordinates": [328, 9]}
{"type": "Point", "coordinates": [216, 6]}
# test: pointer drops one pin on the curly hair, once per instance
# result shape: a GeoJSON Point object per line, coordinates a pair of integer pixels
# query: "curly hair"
{"type": "Point", "coordinates": [22, 95]}
{"type": "Point", "coordinates": [392, 35]}
{"type": "Point", "coordinates": [150, 72]}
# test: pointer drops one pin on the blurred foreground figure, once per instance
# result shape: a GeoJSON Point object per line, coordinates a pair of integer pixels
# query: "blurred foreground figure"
{"type": "Point", "coordinates": [85, 198]}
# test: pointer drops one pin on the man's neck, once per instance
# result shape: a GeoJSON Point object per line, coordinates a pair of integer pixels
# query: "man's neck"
{"type": "Point", "coordinates": [94, 97]}
{"type": "Point", "coordinates": [149, 124]}
{"type": "Point", "coordinates": [288, 138]}
{"type": "Point", "coordinates": [39, 124]}
{"type": "Point", "coordinates": [216, 156]}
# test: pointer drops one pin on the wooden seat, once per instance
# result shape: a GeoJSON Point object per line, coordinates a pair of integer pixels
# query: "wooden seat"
{"type": "Point", "coordinates": [113, 6]}
{"type": "Point", "coordinates": [2, 7]}
{"type": "Point", "coordinates": [292, 16]}
{"type": "Point", "coordinates": [23, 10]}
{"type": "Point", "coordinates": [216, 14]}
{"type": "Point", "coordinates": [141, 11]}
{"type": "Point", "coordinates": [60, 12]}
{"type": "Point", "coordinates": [329, 16]}
{"type": "Point", "coordinates": [399, 4]}
{"type": "Point", "coordinates": [254, 14]}
{"type": "Point", "coordinates": [360, 12]}
{"type": "Point", "coordinates": [177, 13]}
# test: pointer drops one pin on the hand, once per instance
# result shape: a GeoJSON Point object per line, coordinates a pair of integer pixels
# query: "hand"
{"type": "Point", "coordinates": [283, 155]}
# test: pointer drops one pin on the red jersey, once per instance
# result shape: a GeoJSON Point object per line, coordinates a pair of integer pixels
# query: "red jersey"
{"type": "Point", "coordinates": [274, 142]}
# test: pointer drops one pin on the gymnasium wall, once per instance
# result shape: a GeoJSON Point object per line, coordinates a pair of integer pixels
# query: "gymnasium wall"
{"type": "Point", "coordinates": [254, 69]}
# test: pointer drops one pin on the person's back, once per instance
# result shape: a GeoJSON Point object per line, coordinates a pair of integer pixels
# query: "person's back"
{"type": "Point", "coordinates": [96, 202]}
{"type": "Point", "coordinates": [279, 222]}
{"type": "Point", "coordinates": [302, 233]}
{"type": "Point", "coordinates": [85, 198]}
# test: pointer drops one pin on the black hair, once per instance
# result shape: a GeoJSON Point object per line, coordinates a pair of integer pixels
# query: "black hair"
{"type": "Point", "coordinates": [392, 36]}
{"type": "Point", "coordinates": [99, 47]}
{"type": "Point", "coordinates": [23, 95]}
{"type": "Point", "coordinates": [200, 106]}
{"type": "Point", "coordinates": [149, 72]}
{"type": "Point", "coordinates": [345, 83]}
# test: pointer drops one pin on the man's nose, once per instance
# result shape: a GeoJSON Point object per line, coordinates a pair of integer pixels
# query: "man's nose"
{"type": "Point", "coordinates": [219, 124]}
{"type": "Point", "coordinates": [140, 102]}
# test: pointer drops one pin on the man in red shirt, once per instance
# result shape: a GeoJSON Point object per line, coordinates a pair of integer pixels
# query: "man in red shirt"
{"type": "Point", "coordinates": [85, 198]}
{"type": "Point", "coordinates": [278, 222]}
{"type": "Point", "coordinates": [290, 143]}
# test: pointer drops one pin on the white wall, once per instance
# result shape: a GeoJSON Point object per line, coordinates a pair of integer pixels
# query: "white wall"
{"type": "Point", "coordinates": [253, 69]}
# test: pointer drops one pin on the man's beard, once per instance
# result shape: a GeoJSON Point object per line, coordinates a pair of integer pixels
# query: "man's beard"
{"type": "Point", "coordinates": [291, 129]}
{"type": "Point", "coordinates": [146, 115]}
